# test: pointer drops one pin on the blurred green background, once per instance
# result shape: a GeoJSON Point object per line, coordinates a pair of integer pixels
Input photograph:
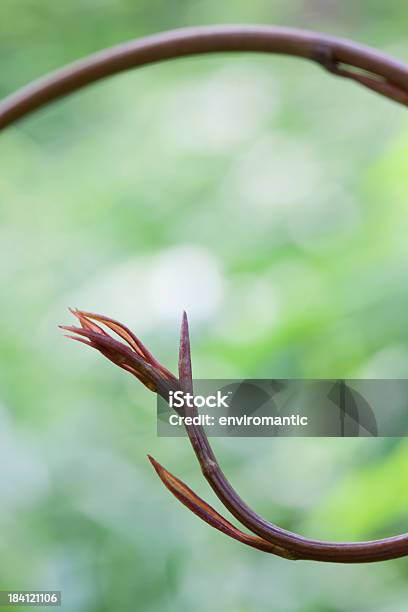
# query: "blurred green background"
{"type": "Point", "coordinates": [268, 199]}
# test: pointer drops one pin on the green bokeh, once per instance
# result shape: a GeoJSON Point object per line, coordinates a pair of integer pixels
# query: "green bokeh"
{"type": "Point", "coordinates": [268, 199]}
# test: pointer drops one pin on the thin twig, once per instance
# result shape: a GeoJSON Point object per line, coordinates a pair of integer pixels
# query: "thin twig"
{"type": "Point", "coordinates": [377, 71]}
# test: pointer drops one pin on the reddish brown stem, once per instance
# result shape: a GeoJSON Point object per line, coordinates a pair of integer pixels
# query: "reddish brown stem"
{"type": "Point", "coordinates": [296, 545]}
{"type": "Point", "coordinates": [290, 545]}
{"type": "Point", "coordinates": [377, 71]}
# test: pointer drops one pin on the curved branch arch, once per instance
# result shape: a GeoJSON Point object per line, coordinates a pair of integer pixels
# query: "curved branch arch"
{"type": "Point", "coordinates": [375, 70]}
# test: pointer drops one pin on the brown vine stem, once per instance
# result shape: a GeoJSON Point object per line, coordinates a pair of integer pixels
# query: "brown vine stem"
{"type": "Point", "coordinates": [377, 71]}
{"type": "Point", "coordinates": [284, 543]}
{"type": "Point", "coordinates": [372, 69]}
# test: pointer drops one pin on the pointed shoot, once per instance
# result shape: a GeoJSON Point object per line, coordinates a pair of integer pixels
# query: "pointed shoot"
{"type": "Point", "coordinates": [197, 505]}
{"type": "Point", "coordinates": [185, 369]}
